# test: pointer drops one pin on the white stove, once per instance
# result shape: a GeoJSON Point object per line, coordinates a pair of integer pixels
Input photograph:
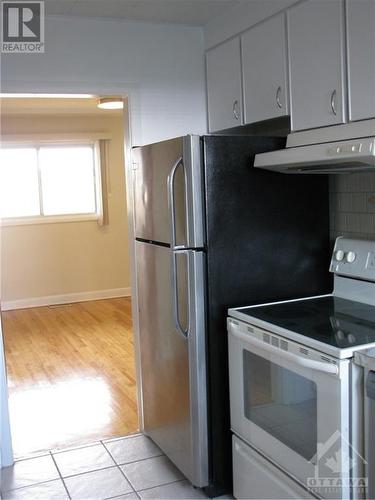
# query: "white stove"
{"type": "Point", "coordinates": [295, 391]}
{"type": "Point", "coordinates": [337, 324]}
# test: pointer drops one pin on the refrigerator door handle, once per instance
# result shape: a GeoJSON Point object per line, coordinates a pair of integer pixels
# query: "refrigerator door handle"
{"type": "Point", "coordinates": [197, 362]}
{"type": "Point", "coordinates": [171, 201]}
{"type": "Point", "coordinates": [176, 315]}
{"type": "Point", "coordinates": [194, 192]}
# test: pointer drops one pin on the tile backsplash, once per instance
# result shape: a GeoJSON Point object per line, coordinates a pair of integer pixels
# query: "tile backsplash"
{"type": "Point", "coordinates": [352, 205]}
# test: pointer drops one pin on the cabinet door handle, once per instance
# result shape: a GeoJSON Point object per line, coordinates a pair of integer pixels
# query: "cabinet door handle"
{"type": "Point", "coordinates": [235, 110]}
{"type": "Point", "coordinates": [278, 97]}
{"type": "Point", "coordinates": [333, 102]}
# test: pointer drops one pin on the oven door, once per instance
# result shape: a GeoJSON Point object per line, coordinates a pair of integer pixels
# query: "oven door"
{"type": "Point", "coordinates": [291, 405]}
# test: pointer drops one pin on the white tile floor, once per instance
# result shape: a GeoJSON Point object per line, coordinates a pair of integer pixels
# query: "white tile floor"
{"type": "Point", "coordinates": [126, 468]}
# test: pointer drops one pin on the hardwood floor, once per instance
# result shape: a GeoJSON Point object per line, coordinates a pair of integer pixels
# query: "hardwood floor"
{"type": "Point", "coordinates": [71, 374]}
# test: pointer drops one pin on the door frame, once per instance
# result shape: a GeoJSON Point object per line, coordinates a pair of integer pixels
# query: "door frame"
{"type": "Point", "coordinates": [6, 451]}
{"type": "Point", "coordinates": [132, 126]}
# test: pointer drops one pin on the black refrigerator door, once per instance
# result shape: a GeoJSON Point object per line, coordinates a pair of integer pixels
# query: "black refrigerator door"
{"type": "Point", "coordinates": [267, 239]}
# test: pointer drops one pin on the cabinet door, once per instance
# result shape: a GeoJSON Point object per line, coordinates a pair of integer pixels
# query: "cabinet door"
{"type": "Point", "coordinates": [316, 55]}
{"type": "Point", "coordinates": [264, 63]}
{"type": "Point", "coordinates": [361, 58]}
{"type": "Point", "coordinates": [224, 86]}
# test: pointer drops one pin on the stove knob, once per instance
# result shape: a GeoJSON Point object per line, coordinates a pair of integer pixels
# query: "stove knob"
{"type": "Point", "coordinates": [350, 257]}
{"type": "Point", "coordinates": [339, 255]}
{"type": "Point", "coordinates": [340, 335]}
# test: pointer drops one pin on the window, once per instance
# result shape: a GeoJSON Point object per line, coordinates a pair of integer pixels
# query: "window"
{"type": "Point", "coordinates": [48, 180]}
{"type": "Point", "coordinates": [282, 403]}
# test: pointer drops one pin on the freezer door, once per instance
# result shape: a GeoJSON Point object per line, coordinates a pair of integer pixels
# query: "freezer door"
{"type": "Point", "coordinates": [171, 324]}
{"type": "Point", "coordinates": [168, 193]}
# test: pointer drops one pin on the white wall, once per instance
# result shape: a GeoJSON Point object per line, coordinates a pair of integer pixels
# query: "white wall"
{"type": "Point", "coordinates": [161, 65]}
{"type": "Point", "coordinates": [241, 18]}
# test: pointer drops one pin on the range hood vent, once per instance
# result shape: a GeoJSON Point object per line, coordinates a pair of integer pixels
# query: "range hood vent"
{"type": "Point", "coordinates": [357, 155]}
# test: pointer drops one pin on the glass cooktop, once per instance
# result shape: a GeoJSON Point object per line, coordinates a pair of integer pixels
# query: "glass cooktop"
{"type": "Point", "coordinates": [338, 322]}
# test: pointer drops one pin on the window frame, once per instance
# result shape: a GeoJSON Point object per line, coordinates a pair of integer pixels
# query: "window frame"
{"type": "Point", "coordinates": [48, 219]}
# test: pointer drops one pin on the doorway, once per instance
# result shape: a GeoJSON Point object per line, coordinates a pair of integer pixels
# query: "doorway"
{"type": "Point", "coordinates": [66, 279]}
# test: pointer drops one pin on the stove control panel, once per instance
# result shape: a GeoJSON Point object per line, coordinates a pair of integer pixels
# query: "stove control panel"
{"type": "Point", "coordinates": [354, 259]}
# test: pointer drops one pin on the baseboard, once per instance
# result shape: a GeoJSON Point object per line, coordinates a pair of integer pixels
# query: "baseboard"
{"type": "Point", "coordinates": [53, 300]}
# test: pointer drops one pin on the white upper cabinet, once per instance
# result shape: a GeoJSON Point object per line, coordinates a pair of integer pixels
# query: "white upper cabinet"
{"type": "Point", "coordinates": [361, 58]}
{"type": "Point", "coordinates": [264, 63]}
{"type": "Point", "coordinates": [317, 64]}
{"type": "Point", "coordinates": [224, 90]}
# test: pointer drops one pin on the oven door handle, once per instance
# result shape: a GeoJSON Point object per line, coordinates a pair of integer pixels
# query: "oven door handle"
{"type": "Point", "coordinates": [320, 366]}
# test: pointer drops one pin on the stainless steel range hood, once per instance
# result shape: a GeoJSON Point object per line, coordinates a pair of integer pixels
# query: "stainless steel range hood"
{"type": "Point", "coordinates": [322, 152]}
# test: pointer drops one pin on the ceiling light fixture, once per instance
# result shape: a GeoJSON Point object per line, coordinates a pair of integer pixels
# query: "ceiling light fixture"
{"type": "Point", "coordinates": [47, 96]}
{"type": "Point", "coordinates": [110, 103]}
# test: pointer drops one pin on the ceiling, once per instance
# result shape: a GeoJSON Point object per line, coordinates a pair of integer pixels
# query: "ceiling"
{"type": "Point", "coordinates": [189, 12]}
{"type": "Point", "coordinates": [53, 106]}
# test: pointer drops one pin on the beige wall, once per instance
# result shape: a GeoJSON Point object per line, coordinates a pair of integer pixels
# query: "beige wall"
{"type": "Point", "coordinates": [62, 258]}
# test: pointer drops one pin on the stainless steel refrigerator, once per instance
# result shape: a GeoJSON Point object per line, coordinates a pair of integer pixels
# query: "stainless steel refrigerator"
{"type": "Point", "coordinates": [211, 233]}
